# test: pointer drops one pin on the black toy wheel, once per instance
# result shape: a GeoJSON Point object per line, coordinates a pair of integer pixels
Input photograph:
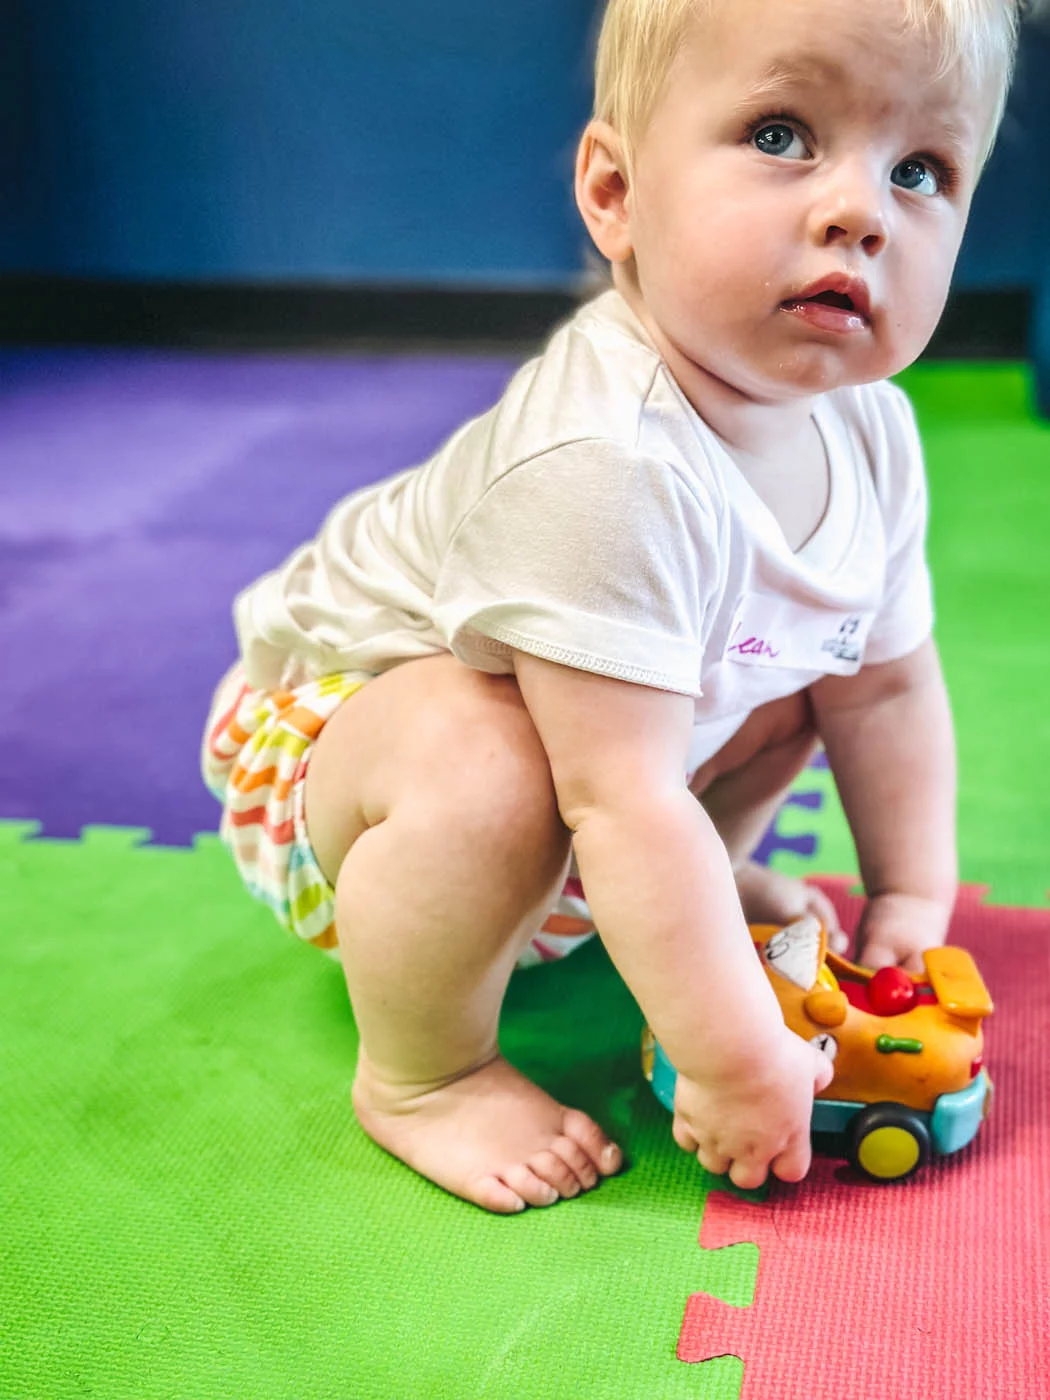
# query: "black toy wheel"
{"type": "Point", "coordinates": [887, 1142]}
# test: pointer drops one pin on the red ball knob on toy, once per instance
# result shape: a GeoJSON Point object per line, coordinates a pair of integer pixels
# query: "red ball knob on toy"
{"type": "Point", "coordinates": [891, 991]}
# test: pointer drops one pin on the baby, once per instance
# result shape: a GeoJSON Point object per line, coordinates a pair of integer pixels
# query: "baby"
{"type": "Point", "coordinates": [564, 671]}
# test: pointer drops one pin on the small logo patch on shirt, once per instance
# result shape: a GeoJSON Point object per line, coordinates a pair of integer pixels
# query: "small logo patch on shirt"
{"type": "Point", "coordinates": [844, 646]}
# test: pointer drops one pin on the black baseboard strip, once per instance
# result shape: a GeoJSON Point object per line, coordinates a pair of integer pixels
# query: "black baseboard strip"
{"type": "Point", "coordinates": [272, 316]}
{"type": "Point", "coordinates": [984, 325]}
{"type": "Point", "coordinates": [39, 310]}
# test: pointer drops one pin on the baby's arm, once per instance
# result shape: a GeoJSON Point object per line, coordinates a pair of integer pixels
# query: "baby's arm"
{"type": "Point", "coordinates": [888, 735]}
{"type": "Point", "coordinates": [661, 891]}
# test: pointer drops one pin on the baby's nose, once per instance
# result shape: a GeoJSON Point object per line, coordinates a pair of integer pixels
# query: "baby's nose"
{"type": "Point", "coordinates": [850, 211]}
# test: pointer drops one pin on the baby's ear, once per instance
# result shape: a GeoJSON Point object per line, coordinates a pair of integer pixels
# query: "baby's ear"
{"type": "Point", "coordinates": [602, 189]}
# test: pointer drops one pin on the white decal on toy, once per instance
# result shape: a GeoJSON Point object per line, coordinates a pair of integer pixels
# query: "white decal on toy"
{"type": "Point", "coordinates": [827, 1044]}
{"type": "Point", "coordinates": [794, 952]}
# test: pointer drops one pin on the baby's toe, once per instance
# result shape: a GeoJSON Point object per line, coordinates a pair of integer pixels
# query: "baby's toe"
{"type": "Point", "coordinates": [570, 1151]}
{"type": "Point", "coordinates": [493, 1194]}
{"type": "Point", "coordinates": [532, 1189]}
{"type": "Point", "coordinates": [556, 1172]}
{"type": "Point", "coordinates": [602, 1151]}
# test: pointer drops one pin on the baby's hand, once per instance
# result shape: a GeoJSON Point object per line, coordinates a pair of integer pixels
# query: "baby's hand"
{"type": "Point", "coordinates": [896, 929]}
{"type": "Point", "coordinates": [754, 1119]}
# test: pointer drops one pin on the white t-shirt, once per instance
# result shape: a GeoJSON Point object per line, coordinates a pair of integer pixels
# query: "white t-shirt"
{"type": "Point", "coordinates": [593, 518]}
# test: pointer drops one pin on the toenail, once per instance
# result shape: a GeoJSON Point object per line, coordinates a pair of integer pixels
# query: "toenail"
{"type": "Point", "coordinates": [550, 1196]}
{"type": "Point", "coordinates": [610, 1155]}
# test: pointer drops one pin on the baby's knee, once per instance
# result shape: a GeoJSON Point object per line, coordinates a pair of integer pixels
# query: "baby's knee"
{"type": "Point", "coordinates": [784, 725]}
{"type": "Point", "coordinates": [788, 720]}
{"type": "Point", "coordinates": [777, 739]}
{"type": "Point", "coordinates": [491, 773]}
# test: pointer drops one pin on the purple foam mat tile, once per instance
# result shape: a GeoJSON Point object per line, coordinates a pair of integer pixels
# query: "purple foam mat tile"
{"type": "Point", "coordinates": [125, 534]}
{"type": "Point", "coordinates": [93, 443]}
{"type": "Point", "coordinates": [108, 709]}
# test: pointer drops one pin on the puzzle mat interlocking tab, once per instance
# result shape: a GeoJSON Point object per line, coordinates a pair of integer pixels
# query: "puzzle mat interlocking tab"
{"type": "Point", "coordinates": [811, 834]}
{"type": "Point", "coordinates": [938, 1287]}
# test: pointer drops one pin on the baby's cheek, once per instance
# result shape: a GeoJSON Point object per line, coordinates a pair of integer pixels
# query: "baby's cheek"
{"type": "Point", "coordinates": [922, 302]}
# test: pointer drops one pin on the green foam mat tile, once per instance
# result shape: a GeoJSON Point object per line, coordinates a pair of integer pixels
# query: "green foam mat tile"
{"type": "Point", "coordinates": [989, 469]}
{"type": "Point", "coordinates": [988, 462]}
{"type": "Point", "coordinates": [189, 1208]}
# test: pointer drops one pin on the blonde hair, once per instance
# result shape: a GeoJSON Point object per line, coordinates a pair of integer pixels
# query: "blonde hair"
{"type": "Point", "coordinates": [639, 41]}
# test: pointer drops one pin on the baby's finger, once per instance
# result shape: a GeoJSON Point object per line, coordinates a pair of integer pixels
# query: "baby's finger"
{"type": "Point", "coordinates": [794, 1162]}
{"type": "Point", "coordinates": [876, 955]}
{"type": "Point", "coordinates": [749, 1175]}
{"type": "Point", "coordinates": [714, 1162]}
{"type": "Point", "coordinates": [838, 941]}
{"type": "Point", "coordinates": [818, 903]}
{"type": "Point", "coordinates": [823, 1072]}
{"type": "Point", "coordinates": [683, 1136]}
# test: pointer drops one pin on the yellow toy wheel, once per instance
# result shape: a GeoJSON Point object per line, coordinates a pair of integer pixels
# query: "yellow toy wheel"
{"type": "Point", "coordinates": [888, 1142]}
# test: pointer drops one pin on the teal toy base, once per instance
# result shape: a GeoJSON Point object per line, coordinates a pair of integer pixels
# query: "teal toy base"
{"type": "Point", "coordinates": [953, 1123]}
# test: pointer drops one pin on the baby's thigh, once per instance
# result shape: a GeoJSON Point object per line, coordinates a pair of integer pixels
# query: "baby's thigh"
{"type": "Point", "coordinates": [456, 744]}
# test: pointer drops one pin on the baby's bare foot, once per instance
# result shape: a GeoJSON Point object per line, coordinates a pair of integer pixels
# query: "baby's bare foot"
{"type": "Point", "coordinates": [491, 1136]}
{"type": "Point", "coordinates": [768, 897]}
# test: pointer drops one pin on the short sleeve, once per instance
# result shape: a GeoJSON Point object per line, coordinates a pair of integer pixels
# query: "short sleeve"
{"type": "Point", "coordinates": [905, 617]}
{"type": "Point", "coordinates": [589, 555]}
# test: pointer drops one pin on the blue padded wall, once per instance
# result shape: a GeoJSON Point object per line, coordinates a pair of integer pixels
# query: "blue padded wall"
{"type": "Point", "coordinates": [409, 141]}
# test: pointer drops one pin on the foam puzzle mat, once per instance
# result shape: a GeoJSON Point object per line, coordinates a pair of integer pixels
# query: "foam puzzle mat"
{"type": "Point", "coordinates": [191, 1209]}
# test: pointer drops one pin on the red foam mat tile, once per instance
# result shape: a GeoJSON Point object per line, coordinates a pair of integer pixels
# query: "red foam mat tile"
{"type": "Point", "coordinates": [933, 1289]}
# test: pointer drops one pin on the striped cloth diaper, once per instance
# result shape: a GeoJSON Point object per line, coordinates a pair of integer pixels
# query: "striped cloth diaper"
{"type": "Point", "coordinates": [254, 757]}
{"type": "Point", "coordinates": [257, 745]}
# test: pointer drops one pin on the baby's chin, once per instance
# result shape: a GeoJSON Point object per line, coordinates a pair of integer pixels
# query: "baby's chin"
{"type": "Point", "coordinates": [808, 370]}
{"type": "Point", "coordinates": [780, 369]}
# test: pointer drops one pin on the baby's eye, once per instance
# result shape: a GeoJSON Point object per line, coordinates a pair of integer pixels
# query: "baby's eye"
{"type": "Point", "coordinates": [779, 139]}
{"type": "Point", "coordinates": [917, 176]}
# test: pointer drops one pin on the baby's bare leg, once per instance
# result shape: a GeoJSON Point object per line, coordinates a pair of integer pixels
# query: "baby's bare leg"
{"type": "Point", "coordinates": [431, 808]}
{"type": "Point", "coordinates": [741, 788]}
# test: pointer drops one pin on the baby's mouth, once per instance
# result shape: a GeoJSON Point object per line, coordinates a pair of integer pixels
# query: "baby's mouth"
{"type": "Point", "coordinates": [833, 299]}
{"type": "Point", "coordinates": [838, 299]}
{"type": "Point", "coordinates": [830, 310]}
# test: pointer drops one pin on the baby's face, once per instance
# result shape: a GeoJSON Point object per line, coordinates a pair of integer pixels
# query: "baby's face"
{"type": "Point", "coordinates": [803, 150]}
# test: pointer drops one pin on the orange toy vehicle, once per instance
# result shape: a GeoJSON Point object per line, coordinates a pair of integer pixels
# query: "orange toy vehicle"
{"type": "Point", "coordinates": [908, 1050]}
